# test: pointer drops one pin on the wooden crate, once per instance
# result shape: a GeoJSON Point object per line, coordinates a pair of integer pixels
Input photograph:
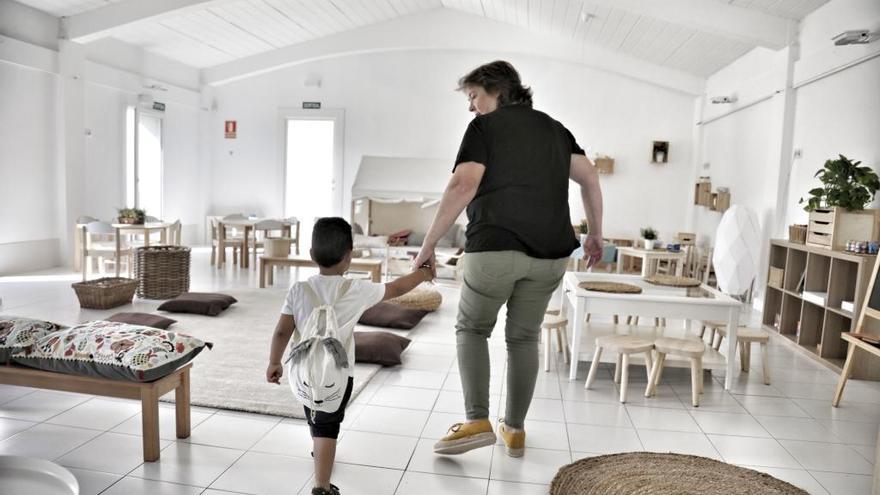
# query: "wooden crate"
{"type": "Point", "coordinates": [604, 165]}
{"type": "Point", "coordinates": [797, 233]}
{"type": "Point", "coordinates": [831, 228]}
{"type": "Point", "coordinates": [720, 201]}
{"type": "Point", "coordinates": [703, 192]}
{"type": "Point", "coordinates": [776, 276]}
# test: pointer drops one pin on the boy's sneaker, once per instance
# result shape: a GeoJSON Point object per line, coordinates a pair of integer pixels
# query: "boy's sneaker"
{"type": "Point", "coordinates": [514, 441]}
{"type": "Point", "coordinates": [319, 490]}
{"type": "Point", "coordinates": [463, 437]}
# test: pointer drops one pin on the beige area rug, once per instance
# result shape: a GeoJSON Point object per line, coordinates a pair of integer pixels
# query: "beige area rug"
{"type": "Point", "coordinates": [648, 473]}
{"type": "Point", "coordinates": [233, 374]}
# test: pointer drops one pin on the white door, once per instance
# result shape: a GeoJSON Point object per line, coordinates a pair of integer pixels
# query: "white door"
{"type": "Point", "coordinates": [145, 172]}
{"type": "Point", "coordinates": [313, 167]}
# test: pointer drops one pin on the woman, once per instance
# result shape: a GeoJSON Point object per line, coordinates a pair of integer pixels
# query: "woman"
{"type": "Point", "coordinates": [512, 174]}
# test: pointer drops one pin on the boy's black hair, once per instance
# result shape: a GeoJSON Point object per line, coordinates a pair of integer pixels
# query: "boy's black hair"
{"type": "Point", "coordinates": [331, 241]}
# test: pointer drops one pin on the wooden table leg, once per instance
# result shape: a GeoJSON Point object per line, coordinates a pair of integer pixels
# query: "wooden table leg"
{"type": "Point", "coordinates": [163, 236]}
{"type": "Point", "coordinates": [118, 252]}
{"type": "Point", "coordinates": [221, 244]}
{"type": "Point", "coordinates": [181, 406]}
{"type": "Point", "coordinates": [376, 272]}
{"type": "Point", "coordinates": [262, 268]}
{"type": "Point", "coordinates": [245, 261]}
{"type": "Point", "coordinates": [844, 375]}
{"type": "Point", "coordinates": [679, 267]}
{"type": "Point", "coordinates": [732, 324]}
{"type": "Point", "coordinates": [150, 423]}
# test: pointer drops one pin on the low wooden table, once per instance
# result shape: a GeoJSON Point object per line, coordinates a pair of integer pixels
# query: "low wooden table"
{"type": "Point", "coordinates": [374, 266]}
{"type": "Point", "coordinates": [147, 392]}
{"type": "Point", "coordinates": [650, 259]}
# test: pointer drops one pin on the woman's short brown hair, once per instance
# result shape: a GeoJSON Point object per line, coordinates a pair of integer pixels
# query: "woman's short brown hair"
{"type": "Point", "coordinates": [499, 77]}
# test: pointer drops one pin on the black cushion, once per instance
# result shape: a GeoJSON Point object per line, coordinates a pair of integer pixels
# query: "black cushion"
{"type": "Point", "coordinates": [392, 316]}
{"type": "Point", "coordinates": [200, 303]}
{"type": "Point", "coordinates": [143, 319]}
{"type": "Point", "coordinates": [379, 347]}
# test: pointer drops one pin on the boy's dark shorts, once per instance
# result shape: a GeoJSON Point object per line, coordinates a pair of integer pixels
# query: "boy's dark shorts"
{"type": "Point", "coordinates": [326, 425]}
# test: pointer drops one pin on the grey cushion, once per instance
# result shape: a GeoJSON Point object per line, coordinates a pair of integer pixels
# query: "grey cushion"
{"type": "Point", "coordinates": [200, 303]}
{"type": "Point", "coordinates": [389, 315]}
{"type": "Point", "coordinates": [379, 347]}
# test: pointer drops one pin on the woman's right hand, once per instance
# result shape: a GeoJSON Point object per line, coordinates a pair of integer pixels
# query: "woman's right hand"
{"type": "Point", "coordinates": [593, 249]}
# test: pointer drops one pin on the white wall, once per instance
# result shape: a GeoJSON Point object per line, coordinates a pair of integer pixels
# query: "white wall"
{"type": "Point", "coordinates": [403, 103]}
{"type": "Point", "coordinates": [28, 230]}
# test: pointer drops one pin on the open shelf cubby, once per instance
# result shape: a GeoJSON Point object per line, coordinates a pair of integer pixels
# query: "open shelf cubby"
{"type": "Point", "coordinates": [812, 327]}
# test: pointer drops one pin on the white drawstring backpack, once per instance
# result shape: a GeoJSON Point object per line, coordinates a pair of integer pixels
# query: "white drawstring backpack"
{"type": "Point", "coordinates": [318, 370]}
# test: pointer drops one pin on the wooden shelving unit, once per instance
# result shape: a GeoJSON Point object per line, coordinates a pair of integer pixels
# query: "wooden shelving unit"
{"type": "Point", "coordinates": [817, 328]}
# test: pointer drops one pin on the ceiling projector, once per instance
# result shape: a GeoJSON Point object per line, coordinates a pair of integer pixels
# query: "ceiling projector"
{"type": "Point", "coordinates": [723, 99]}
{"type": "Point", "coordinates": [856, 37]}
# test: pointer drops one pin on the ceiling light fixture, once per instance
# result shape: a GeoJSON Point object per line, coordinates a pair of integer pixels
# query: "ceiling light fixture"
{"type": "Point", "coordinates": [586, 17]}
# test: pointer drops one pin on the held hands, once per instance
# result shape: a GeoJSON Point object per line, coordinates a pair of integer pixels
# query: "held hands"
{"type": "Point", "coordinates": [593, 249]}
{"type": "Point", "coordinates": [274, 372]}
{"type": "Point", "coordinates": [426, 259]}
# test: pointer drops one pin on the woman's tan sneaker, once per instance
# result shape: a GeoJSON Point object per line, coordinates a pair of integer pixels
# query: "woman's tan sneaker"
{"type": "Point", "coordinates": [463, 437]}
{"type": "Point", "coordinates": [514, 441]}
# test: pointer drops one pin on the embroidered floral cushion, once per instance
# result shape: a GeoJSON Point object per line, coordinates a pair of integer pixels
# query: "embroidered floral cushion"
{"type": "Point", "coordinates": [107, 349]}
{"type": "Point", "coordinates": [16, 332]}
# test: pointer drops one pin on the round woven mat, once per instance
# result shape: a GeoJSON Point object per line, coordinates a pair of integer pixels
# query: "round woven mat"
{"type": "Point", "coordinates": [647, 473]}
{"type": "Point", "coordinates": [673, 281]}
{"type": "Point", "coordinates": [424, 299]}
{"type": "Point", "coordinates": [612, 287]}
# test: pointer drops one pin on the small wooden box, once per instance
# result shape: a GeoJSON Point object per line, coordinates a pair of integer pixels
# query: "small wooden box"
{"type": "Point", "coordinates": [605, 165]}
{"type": "Point", "coordinates": [831, 228]}
{"type": "Point", "coordinates": [776, 276]}
{"type": "Point", "coordinates": [687, 238]}
{"type": "Point", "coordinates": [703, 193]}
{"type": "Point", "coordinates": [720, 201]}
{"type": "Point", "coordinates": [797, 233]}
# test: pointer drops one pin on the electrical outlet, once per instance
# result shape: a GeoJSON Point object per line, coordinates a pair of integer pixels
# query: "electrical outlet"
{"type": "Point", "coordinates": [798, 153]}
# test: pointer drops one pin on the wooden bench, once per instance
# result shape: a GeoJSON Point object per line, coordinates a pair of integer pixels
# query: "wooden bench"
{"type": "Point", "coordinates": [148, 393]}
{"type": "Point", "coordinates": [267, 264]}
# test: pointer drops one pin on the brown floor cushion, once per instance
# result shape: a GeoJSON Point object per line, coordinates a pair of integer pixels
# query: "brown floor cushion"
{"type": "Point", "coordinates": [113, 350]}
{"type": "Point", "coordinates": [142, 319]}
{"type": "Point", "coordinates": [389, 315]}
{"type": "Point", "coordinates": [379, 347]}
{"type": "Point", "coordinates": [200, 303]}
{"type": "Point", "coordinates": [17, 332]}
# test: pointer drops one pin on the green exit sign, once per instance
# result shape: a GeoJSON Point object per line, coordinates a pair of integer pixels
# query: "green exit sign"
{"type": "Point", "coordinates": [312, 105]}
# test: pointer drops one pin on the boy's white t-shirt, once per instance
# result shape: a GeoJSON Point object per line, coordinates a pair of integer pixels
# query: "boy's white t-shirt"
{"type": "Point", "coordinates": [361, 295]}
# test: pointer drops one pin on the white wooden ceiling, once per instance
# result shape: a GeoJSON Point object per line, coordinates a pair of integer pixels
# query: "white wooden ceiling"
{"type": "Point", "coordinates": [221, 31]}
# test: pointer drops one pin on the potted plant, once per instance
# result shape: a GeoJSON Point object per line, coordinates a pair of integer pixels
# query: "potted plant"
{"type": "Point", "coordinates": [134, 216]}
{"type": "Point", "coordinates": [844, 184]}
{"type": "Point", "coordinates": [837, 209]}
{"type": "Point", "coordinates": [583, 231]}
{"type": "Point", "coordinates": [649, 235]}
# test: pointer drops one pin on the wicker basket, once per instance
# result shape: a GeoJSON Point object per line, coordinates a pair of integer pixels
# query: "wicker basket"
{"type": "Point", "coordinates": [105, 293]}
{"type": "Point", "coordinates": [162, 272]}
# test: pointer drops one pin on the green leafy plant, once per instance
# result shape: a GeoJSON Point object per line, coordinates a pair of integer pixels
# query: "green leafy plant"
{"type": "Point", "coordinates": [132, 215]}
{"type": "Point", "coordinates": [584, 228]}
{"type": "Point", "coordinates": [649, 233]}
{"type": "Point", "coordinates": [845, 184]}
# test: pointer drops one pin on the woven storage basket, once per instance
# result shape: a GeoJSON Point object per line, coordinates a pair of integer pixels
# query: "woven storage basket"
{"type": "Point", "coordinates": [424, 299]}
{"type": "Point", "coordinates": [105, 293]}
{"type": "Point", "coordinates": [162, 272]}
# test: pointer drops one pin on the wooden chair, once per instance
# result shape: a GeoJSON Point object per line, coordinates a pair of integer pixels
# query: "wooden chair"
{"type": "Point", "coordinates": [623, 345]}
{"type": "Point", "coordinates": [77, 239]}
{"type": "Point", "coordinates": [99, 241]}
{"type": "Point", "coordinates": [745, 336]}
{"type": "Point", "coordinates": [559, 324]}
{"type": "Point", "coordinates": [692, 349]}
{"type": "Point", "coordinates": [264, 227]}
{"type": "Point", "coordinates": [234, 242]}
{"type": "Point", "coordinates": [174, 237]}
{"type": "Point", "coordinates": [294, 231]}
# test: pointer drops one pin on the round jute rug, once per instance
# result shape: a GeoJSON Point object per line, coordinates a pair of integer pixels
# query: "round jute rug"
{"type": "Point", "coordinates": [611, 287]}
{"type": "Point", "coordinates": [648, 473]}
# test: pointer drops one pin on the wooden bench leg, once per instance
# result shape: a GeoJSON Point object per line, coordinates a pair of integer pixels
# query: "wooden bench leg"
{"type": "Point", "coordinates": [765, 363]}
{"type": "Point", "coordinates": [150, 423]}
{"type": "Point", "coordinates": [844, 375]}
{"type": "Point", "coordinates": [593, 367]}
{"type": "Point", "coordinates": [181, 406]}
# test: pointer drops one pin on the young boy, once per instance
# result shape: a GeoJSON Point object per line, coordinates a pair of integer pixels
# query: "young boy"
{"type": "Point", "coordinates": [331, 250]}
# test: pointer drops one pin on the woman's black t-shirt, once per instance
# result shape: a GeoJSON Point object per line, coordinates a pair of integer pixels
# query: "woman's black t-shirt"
{"type": "Point", "coordinates": [522, 201]}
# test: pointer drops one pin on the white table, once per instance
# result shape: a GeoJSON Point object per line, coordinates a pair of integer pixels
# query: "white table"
{"type": "Point", "coordinates": [650, 259]}
{"type": "Point", "coordinates": [700, 303]}
{"type": "Point", "coordinates": [247, 225]}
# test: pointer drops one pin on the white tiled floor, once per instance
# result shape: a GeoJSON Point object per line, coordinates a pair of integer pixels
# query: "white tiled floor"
{"type": "Point", "coordinates": [788, 429]}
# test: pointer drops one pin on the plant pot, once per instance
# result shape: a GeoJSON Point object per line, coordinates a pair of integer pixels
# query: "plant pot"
{"type": "Point", "coordinates": [130, 221]}
{"type": "Point", "coordinates": [649, 244]}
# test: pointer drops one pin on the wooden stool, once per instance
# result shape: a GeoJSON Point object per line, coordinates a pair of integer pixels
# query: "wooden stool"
{"type": "Point", "coordinates": [744, 338]}
{"type": "Point", "coordinates": [634, 320]}
{"type": "Point", "coordinates": [560, 324]}
{"type": "Point", "coordinates": [623, 345]}
{"type": "Point", "coordinates": [689, 348]}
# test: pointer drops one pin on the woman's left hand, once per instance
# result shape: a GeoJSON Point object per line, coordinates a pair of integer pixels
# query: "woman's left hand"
{"type": "Point", "coordinates": [593, 249]}
{"type": "Point", "coordinates": [426, 257]}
